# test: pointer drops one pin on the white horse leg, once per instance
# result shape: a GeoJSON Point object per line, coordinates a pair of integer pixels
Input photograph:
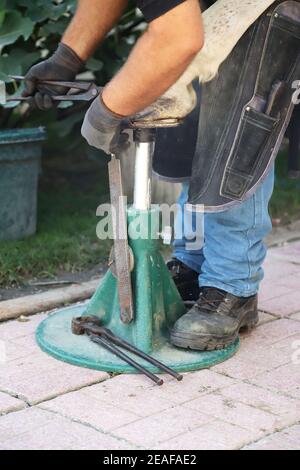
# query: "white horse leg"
{"type": "Point", "coordinates": [225, 22]}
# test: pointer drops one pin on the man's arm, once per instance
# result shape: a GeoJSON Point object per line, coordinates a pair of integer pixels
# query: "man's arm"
{"type": "Point", "coordinates": [92, 21]}
{"type": "Point", "coordinates": [157, 61]}
{"type": "Point", "coordinates": [159, 58]}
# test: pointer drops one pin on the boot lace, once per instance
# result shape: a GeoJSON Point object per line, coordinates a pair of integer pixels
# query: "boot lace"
{"type": "Point", "coordinates": [210, 300]}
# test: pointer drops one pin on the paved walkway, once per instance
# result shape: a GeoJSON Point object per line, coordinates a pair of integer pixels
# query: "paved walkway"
{"type": "Point", "coordinates": [250, 402]}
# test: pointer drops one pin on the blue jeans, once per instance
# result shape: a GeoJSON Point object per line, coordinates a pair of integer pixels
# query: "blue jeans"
{"type": "Point", "coordinates": [233, 252]}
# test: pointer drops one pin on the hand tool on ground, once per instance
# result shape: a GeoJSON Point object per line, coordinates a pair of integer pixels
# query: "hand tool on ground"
{"type": "Point", "coordinates": [93, 328]}
{"type": "Point", "coordinates": [117, 352]}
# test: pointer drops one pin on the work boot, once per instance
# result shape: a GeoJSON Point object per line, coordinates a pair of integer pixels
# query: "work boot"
{"type": "Point", "coordinates": [186, 280]}
{"type": "Point", "coordinates": [215, 320]}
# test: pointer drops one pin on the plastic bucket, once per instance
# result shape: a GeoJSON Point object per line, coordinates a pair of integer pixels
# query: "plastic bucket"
{"type": "Point", "coordinates": [20, 156]}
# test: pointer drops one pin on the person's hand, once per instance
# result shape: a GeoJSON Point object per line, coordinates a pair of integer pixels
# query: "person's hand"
{"type": "Point", "coordinates": [64, 64]}
{"type": "Point", "coordinates": [103, 129]}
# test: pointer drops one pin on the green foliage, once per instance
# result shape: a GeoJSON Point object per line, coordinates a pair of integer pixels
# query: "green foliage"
{"type": "Point", "coordinates": [30, 31]}
{"type": "Point", "coordinates": [13, 26]}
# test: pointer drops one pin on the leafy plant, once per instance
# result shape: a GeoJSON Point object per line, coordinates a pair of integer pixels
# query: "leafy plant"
{"type": "Point", "coordinates": [30, 31]}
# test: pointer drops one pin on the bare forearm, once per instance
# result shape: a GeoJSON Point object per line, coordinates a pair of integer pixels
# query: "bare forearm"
{"type": "Point", "coordinates": [92, 21]}
{"type": "Point", "coordinates": [159, 58]}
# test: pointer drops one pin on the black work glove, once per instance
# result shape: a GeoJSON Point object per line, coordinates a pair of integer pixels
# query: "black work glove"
{"type": "Point", "coordinates": [104, 129]}
{"type": "Point", "coordinates": [64, 64]}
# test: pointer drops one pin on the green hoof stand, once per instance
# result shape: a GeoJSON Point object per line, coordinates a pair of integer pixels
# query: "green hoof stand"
{"type": "Point", "coordinates": [157, 306]}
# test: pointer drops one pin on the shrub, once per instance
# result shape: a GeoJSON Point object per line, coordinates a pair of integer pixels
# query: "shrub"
{"type": "Point", "coordinates": [30, 31]}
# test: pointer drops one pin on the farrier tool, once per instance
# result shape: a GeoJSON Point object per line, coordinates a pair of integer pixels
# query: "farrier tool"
{"type": "Point", "coordinates": [103, 336]}
{"type": "Point", "coordinates": [78, 90]}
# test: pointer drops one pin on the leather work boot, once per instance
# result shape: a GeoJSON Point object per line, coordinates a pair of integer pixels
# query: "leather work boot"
{"type": "Point", "coordinates": [186, 280]}
{"type": "Point", "coordinates": [215, 320]}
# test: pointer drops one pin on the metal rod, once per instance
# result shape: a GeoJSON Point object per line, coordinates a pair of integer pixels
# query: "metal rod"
{"type": "Point", "coordinates": [125, 358]}
{"type": "Point", "coordinates": [138, 352]}
{"type": "Point", "coordinates": [142, 177]}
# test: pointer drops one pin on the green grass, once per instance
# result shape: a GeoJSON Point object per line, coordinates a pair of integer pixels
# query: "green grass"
{"type": "Point", "coordinates": [66, 239]}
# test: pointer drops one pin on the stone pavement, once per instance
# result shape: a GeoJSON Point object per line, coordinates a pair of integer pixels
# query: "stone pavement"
{"type": "Point", "coordinates": [251, 401]}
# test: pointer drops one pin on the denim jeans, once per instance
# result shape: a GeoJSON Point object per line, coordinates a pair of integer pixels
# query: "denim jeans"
{"type": "Point", "coordinates": [233, 251]}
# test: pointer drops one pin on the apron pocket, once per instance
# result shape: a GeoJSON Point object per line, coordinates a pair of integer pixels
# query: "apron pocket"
{"type": "Point", "coordinates": [251, 141]}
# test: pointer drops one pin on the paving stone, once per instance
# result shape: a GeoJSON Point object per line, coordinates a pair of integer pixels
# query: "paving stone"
{"type": "Point", "coordinates": [138, 381]}
{"type": "Point", "coordinates": [275, 331]}
{"type": "Point", "coordinates": [284, 379]}
{"type": "Point", "coordinates": [25, 421]}
{"type": "Point", "coordinates": [152, 430]}
{"type": "Point", "coordinates": [270, 290]}
{"type": "Point", "coordinates": [210, 409]}
{"type": "Point", "coordinates": [28, 343]}
{"type": "Point", "coordinates": [258, 421]}
{"type": "Point", "coordinates": [193, 385]}
{"type": "Point", "coordinates": [288, 439]}
{"type": "Point", "coordinates": [291, 282]}
{"type": "Point", "coordinates": [15, 329]}
{"type": "Point", "coordinates": [44, 430]}
{"type": "Point", "coordinates": [38, 378]}
{"type": "Point", "coordinates": [284, 305]}
{"type": "Point", "coordinates": [270, 356]}
{"type": "Point", "coordinates": [9, 404]}
{"type": "Point", "coordinates": [18, 369]}
{"type": "Point", "coordinates": [239, 369]}
{"type": "Point", "coordinates": [90, 411]}
{"type": "Point", "coordinates": [107, 442]}
{"type": "Point", "coordinates": [289, 252]}
{"type": "Point", "coordinates": [131, 399]}
{"type": "Point", "coordinates": [265, 318]}
{"type": "Point", "coordinates": [277, 269]}
{"type": "Point", "coordinates": [13, 352]}
{"type": "Point", "coordinates": [287, 409]}
{"type": "Point", "coordinates": [265, 348]}
{"type": "Point", "coordinates": [252, 360]}
{"type": "Point", "coordinates": [217, 435]}
{"type": "Point", "coordinates": [288, 349]}
{"type": "Point", "coordinates": [141, 397]}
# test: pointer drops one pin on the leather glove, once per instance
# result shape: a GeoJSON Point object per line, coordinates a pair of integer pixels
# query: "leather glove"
{"type": "Point", "coordinates": [64, 64]}
{"type": "Point", "coordinates": [103, 129]}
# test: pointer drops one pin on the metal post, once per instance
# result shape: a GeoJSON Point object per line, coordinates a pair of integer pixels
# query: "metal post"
{"type": "Point", "coordinates": [145, 143]}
